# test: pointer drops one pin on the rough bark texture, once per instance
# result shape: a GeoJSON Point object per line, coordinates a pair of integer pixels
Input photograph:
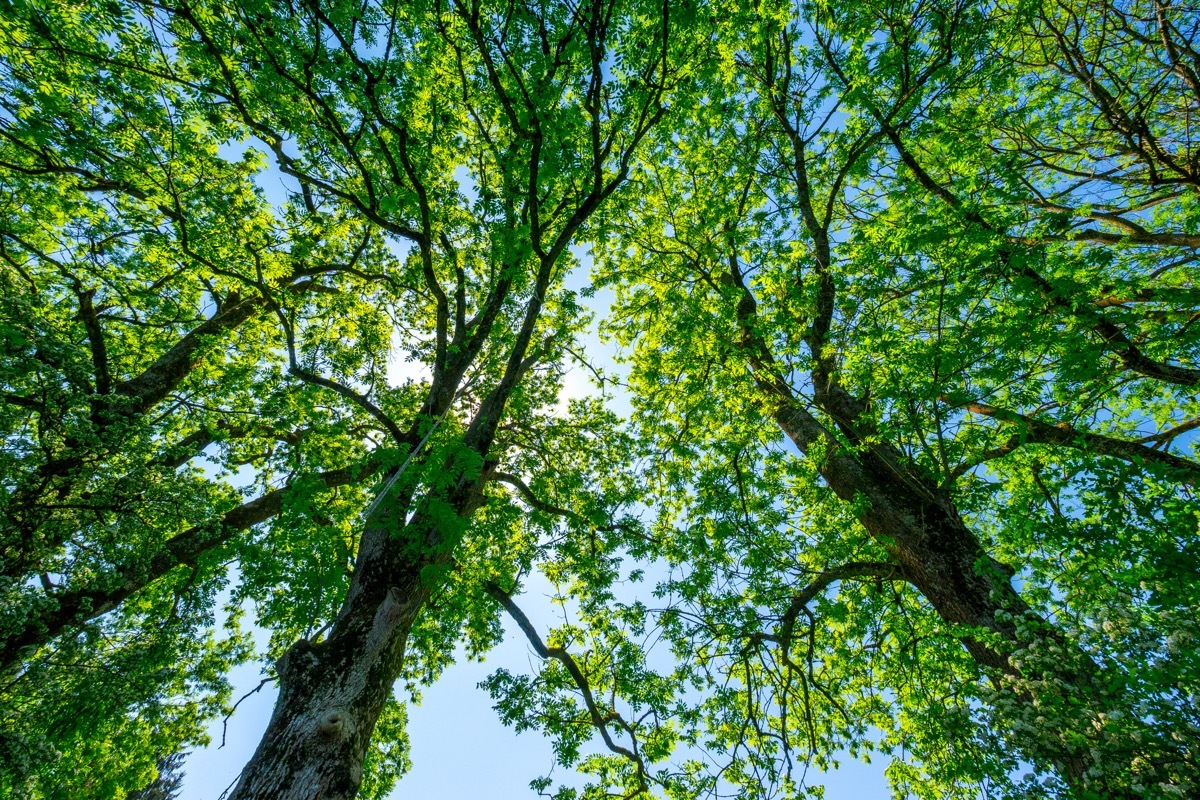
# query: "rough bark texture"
{"type": "Point", "coordinates": [332, 692]}
{"type": "Point", "coordinates": [918, 525]}
{"type": "Point", "coordinates": [902, 510]}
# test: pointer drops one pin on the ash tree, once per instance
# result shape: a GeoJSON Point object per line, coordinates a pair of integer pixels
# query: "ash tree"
{"type": "Point", "coordinates": [909, 310]}
{"type": "Point", "coordinates": [170, 330]}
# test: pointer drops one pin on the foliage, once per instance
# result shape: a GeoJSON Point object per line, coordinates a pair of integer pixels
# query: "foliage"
{"type": "Point", "coordinates": [904, 295]}
{"type": "Point", "coordinates": [167, 784]}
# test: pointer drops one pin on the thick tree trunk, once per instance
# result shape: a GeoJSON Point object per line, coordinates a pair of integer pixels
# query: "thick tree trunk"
{"type": "Point", "coordinates": [332, 692]}
{"type": "Point", "coordinates": [330, 697]}
{"type": "Point", "coordinates": [935, 550]}
{"type": "Point", "coordinates": [942, 558]}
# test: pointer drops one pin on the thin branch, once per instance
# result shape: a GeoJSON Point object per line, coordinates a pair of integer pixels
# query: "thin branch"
{"type": "Point", "coordinates": [359, 399]}
{"type": "Point", "coordinates": [225, 722]}
{"type": "Point", "coordinates": [599, 721]}
{"type": "Point", "coordinates": [852, 570]}
{"type": "Point", "coordinates": [549, 508]}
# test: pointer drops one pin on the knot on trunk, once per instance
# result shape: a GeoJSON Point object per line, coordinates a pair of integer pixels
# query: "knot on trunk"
{"type": "Point", "coordinates": [298, 658]}
{"type": "Point", "coordinates": [335, 724]}
{"type": "Point", "coordinates": [392, 609]}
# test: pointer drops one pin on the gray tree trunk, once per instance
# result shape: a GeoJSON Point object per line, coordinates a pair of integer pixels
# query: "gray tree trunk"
{"type": "Point", "coordinates": [332, 692]}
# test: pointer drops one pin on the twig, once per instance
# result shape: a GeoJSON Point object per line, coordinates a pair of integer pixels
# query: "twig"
{"type": "Point", "coordinates": [225, 722]}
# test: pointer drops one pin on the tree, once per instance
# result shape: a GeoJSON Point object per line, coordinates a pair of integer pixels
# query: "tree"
{"type": "Point", "coordinates": [440, 164]}
{"type": "Point", "coordinates": [905, 294]}
{"type": "Point", "coordinates": [876, 239]}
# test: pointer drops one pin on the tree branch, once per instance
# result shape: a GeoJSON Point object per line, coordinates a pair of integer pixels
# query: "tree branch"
{"type": "Point", "coordinates": [75, 606]}
{"type": "Point", "coordinates": [1065, 435]}
{"type": "Point", "coordinates": [87, 315]}
{"type": "Point", "coordinates": [599, 721]}
{"type": "Point", "coordinates": [848, 571]}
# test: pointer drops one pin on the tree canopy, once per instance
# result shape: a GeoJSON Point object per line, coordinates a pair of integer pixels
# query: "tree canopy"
{"type": "Point", "coordinates": [906, 323]}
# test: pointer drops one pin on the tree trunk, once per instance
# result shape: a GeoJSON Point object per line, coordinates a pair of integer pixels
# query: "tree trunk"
{"type": "Point", "coordinates": [936, 551]}
{"type": "Point", "coordinates": [942, 558]}
{"type": "Point", "coordinates": [332, 692]}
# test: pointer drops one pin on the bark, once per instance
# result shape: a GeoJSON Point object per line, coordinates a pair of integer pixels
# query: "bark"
{"type": "Point", "coordinates": [944, 560]}
{"type": "Point", "coordinates": [162, 377]}
{"type": "Point", "coordinates": [923, 532]}
{"type": "Point", "coordinates": [1065, 435]}
{"type": "Point", "coordinates": [332, 692]}
{"type": "Point", "coordinates": [916, 523]}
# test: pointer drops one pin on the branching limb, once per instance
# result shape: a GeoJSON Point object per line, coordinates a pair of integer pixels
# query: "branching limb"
{"type": "Point", "coordinates": [1065, 435]}
{"type": "Point", "coordinates": [851, 570]}
{"type": "Point", "coordinates": [77, 605]}
{"type": "Point", "coordinates": [360, 400]}
{"type": "Point", "coordinates": [1144, 237]}
{"type": "Point", "coordinates": [255, 690]}
{"type": "Point", "coordinates": [1165, 437]}
{"type": "Point", "coordinates": [549, 508]}
{"type": "Point", "coordinates": [1117, 340]}
{"type": "Point", "coordinates": [599, 721]}
{"type": "Point", "coordinates": [95, 334]}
